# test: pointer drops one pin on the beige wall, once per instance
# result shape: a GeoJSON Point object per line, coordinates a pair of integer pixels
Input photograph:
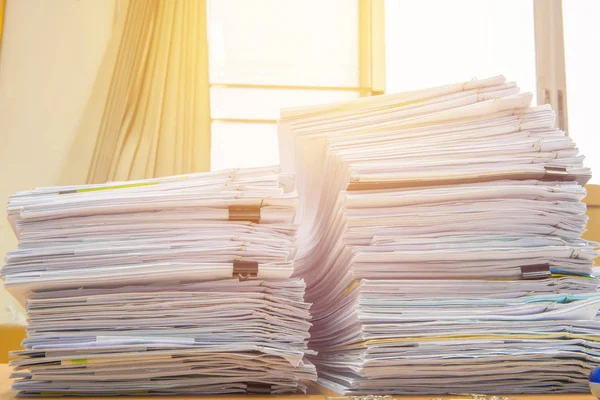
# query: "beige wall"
{"type": "Point", "coordinates": [593, 203]}
{"type": "Point", "coordinates": [49, 57]}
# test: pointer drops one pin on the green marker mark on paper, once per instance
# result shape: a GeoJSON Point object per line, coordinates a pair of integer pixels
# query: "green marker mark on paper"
{"type": "Point", "coordinates": [130, 185]}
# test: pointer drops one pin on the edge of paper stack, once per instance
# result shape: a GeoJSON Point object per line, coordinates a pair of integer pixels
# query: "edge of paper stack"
{"type": "Point", "coordinates": [164, 286]}
{"type": "Point", "coordinates": [440, 243]}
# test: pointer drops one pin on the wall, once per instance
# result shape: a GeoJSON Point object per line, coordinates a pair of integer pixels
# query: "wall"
{"type": "Point", "coordinates": [49, 57]}
{"type": "Point", "coordinates": [593, 203]}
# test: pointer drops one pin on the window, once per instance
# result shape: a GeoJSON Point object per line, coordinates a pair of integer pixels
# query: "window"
{"type": "Point", "coordinates": [269, 54]}
{"type": "Point", "coordinates": [582, 63]}
{"type": "Point", "coordinates": [436, 42]}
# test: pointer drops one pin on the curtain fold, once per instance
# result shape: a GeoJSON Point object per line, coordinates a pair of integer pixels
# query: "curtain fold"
{"type": "Point", "coordinates": [148, 114]}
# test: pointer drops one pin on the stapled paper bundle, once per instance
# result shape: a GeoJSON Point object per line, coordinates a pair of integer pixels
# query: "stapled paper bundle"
{"type": "Point", "coordinates": [440, 242]}
{"type": "Point", "coordinates": [165, 286]}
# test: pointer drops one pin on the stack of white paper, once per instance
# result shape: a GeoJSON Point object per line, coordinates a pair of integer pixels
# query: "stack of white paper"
{"type": "Point", "coordinates": [163, 286]}
{"type": "Point", "coordinates": [440, 242]}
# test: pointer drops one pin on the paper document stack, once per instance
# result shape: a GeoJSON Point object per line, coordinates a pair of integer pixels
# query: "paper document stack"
{"type": "Point", "coordinates": [440, 243]}
{"type": "Point", "coordinates": [165, 286]}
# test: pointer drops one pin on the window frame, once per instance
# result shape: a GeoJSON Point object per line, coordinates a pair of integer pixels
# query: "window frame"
{"type": "Point", "coordinates": [550, 58]}
{"type": "Point", "coordinates": [371, 53]}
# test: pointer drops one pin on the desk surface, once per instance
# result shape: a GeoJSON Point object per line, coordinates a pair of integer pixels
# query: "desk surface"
{"type": "Point", "coordinates": [316, 392]}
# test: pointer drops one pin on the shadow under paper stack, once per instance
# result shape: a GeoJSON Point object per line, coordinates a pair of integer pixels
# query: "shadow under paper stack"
{"type": "Point", "coordinates": [163, 286]}
{"type": "Point", "coordinates": [440, 243]}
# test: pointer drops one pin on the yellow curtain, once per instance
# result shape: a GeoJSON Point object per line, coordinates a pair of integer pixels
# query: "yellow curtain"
{"type": "Point", "coordinates": [2, 7]}
{"type": "Point", "coordinates": [148, 114]}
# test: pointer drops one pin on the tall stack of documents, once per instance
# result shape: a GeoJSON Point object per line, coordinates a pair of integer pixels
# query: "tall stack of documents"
{"type": "Point", "coordinates": [165, 286]}
{"type": "Point", "coordinates": [440, 242]}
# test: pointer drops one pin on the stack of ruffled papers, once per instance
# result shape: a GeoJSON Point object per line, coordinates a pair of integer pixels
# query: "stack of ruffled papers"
{"type": "Point", "coordinates": [440, 242]}
{"type": "Point", "coordinates": [164, 286]}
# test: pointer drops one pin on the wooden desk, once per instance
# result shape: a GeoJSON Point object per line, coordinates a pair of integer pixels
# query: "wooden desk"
{"type": "Point", "coordinates": [316, 392]}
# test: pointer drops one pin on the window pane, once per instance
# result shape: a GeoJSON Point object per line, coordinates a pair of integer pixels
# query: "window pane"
{"type": "Point", "coordinates": [286, 42]}
{"type": "Point", "coordinates": [266, 103]}
{"type": "Point", "coordinates": [436, 42]}
{"type": "Point", "coordinates": [237, 145]}
{"type": "Point", "coordinates": [582, 41]}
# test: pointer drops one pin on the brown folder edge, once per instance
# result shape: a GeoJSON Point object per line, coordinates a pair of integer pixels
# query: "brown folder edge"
{"type": "Point", "coordinates": [245, 269]}
{"type": "Point", "coordinates": [536, 271]}
{"type": "Point", "coordinates": [552, 174]}
{"type": "Point", "coordinates": [244, 213]}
